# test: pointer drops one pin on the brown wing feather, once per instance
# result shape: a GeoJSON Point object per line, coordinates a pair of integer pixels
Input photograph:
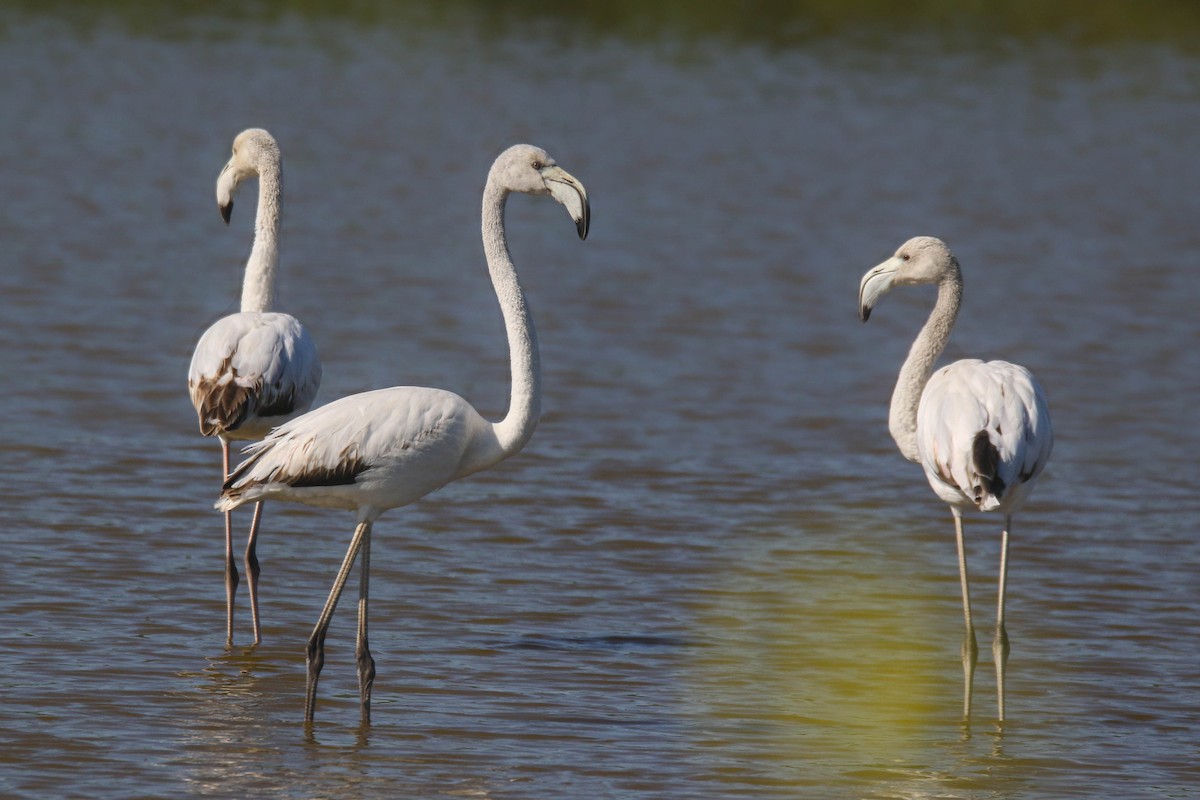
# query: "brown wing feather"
{"type": "Point", "coordinates": [348, 467]}
{"type": "Point", "coordinates": [222, 403]}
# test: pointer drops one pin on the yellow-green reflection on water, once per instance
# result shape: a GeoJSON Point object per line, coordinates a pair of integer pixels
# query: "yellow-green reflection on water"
{"type": "Point", "coordinates": [822, 646]}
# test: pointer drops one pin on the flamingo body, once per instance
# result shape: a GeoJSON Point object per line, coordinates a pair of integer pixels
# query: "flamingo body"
{"type": "Point", "coordinates": [370, 451]}
{"type": "Point", "coordinates": [1000, 402]}
{"type": "Point", "coordinates": [252, 371]}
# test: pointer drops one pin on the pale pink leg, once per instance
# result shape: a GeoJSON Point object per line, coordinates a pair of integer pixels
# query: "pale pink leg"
{"type": "Point", "coordinates": [252, 571]}
{"type": "Point", "coordinates": [1000, 643]}
{"type": "Point", "coordinates": [231, 573]}
{"type": "Point", "coordinates": [315, 651]}
{"type": "Point", "coordinates": [970, 650]}
{"type": "Point", "coordinates": [362, 651]}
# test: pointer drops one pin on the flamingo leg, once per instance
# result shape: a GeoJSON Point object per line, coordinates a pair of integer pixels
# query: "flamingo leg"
{"type": "Point", "coordinates": [315, 652]}
{"type": "Point", "coordinates": [253, 570]}
{"type": "Point", "coordinates": [231, 573]}
{"type": "Point", "coordinates": [970, 650]}
{"type": "Point", "coordinates": [1000, 647]}
{"type": "Point", "coordinates": [362, 652]}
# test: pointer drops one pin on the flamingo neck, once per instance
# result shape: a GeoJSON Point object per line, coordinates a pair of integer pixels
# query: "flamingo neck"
{"type": "Point", "coordinates": [929, 344]}
{"type": "Point", "coordinates": [258, 286]}
{"type": "Point", "coordinates": [514, 431]}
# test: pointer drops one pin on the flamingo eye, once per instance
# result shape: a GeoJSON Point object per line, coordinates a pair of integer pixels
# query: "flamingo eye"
{"type": "Point", "coordinates": [537, 165]}
{"type": "Point", "coordinates": [904, 257]}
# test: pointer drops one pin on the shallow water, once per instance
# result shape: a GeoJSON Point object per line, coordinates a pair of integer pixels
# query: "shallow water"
{"type": "Point", "coordinates": [710, 573]}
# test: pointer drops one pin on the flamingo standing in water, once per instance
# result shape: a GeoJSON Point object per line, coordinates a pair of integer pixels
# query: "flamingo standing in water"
{"type": "Point", "coordinates": [980, 429]}
{"type": "Point", "coordinates": [258, 368]}
{"type": "Point", "coordinates": [386, 448]}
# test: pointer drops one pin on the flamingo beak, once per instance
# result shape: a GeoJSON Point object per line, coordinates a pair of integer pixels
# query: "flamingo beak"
{"type": "Point", "coordinates": [566, 189]}
{"type": "Point", "coordinates": [875, 284]}
{"type": "Point", "coordinates": [227, 181]}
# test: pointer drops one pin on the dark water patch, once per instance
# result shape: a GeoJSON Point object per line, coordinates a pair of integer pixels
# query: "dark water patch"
{"type": "Point", "coordinates": [610, 642]}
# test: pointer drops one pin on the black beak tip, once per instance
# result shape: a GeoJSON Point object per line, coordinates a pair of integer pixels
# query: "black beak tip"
{"type": "Point", "coordinates": [226, 212]}
{"type": "Point", "coordinates": [581, 227]}
{"type": "Point", "coordinates": [864, 313]}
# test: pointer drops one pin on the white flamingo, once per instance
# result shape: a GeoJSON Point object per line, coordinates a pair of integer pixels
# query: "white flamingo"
{"type": "Point", "coordinates": [383, 449]}
{"type": "Point", "coordinates": [258, 368]}
{"type": "Point", "coordinates": [981, 429]}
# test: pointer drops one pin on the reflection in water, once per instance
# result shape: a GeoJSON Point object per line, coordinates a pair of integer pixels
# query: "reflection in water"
{"type": "Point", "coordinates": [245, 698]}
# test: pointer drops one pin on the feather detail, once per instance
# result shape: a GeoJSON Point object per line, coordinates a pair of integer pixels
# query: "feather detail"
{"type": "Point", "coordinates": [986, 461]}
{"type": "Point", "coordinates": [252, 371]}
{"type": "Point", "coordinates": [405, 441]}
{"type": "Point", "coordinates": [983, 430]}
{"type": "Point", "coordinates": [223, 402]}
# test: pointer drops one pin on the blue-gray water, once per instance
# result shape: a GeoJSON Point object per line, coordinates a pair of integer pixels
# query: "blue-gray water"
{"type": "Point", "coordinates": [710, 574]}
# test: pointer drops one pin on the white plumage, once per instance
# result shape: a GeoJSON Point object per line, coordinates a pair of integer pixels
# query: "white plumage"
{"type": "Point", "coordinates": [373, 451]}
{"type": "Point", "coordinates": [1004, 402]}
{"type": "Point", "coordinates": [252, 371]}
{"type": "Point", "coordinates": [383, 449]}
{"type": "Point", "coordinates": [980, 429]}
{"type": "Point", "coordinates": [258, 368]}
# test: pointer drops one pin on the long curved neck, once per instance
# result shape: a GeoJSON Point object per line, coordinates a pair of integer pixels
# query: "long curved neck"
{"type": "Point", "coordinates": [929, 344]}
{"type": "Point", "coordinates": [258, 287]}
{"type": "Point", "coordinates": [525, 402]}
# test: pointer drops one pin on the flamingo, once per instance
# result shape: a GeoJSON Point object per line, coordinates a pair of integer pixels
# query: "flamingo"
{"type": "Point", "coordinates": [980, 429]}
{"type": "Point", "coordinates": [258, 368]}
{"type": "Point", "coordinates": [384, 449]}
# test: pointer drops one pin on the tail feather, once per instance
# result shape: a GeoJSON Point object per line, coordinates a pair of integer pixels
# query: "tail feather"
{"type": "Point", "coordinates": [989, 488]}
{"type": "Point", "coordinates": [233, 496]}
{"type": "Point", "coordinates": [223, 406]}
{"type": "Point", "coordinates": [234, 487]}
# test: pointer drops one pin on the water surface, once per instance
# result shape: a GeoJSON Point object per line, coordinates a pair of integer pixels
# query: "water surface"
{"type": "Point", "coordinates": [711, 573]}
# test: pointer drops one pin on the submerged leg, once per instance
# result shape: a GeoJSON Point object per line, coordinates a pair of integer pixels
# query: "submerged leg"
{"type": "Point", "coordinates": [970, 650]}
{"type": "Point", "coordinates": [252, 570]}
{"type": "Point", "coordinates": [1000, 642]}
{"type": "Point", "coordinates": [231, 573]}
{"type": "Point", "coordinates": [315, 652]}
{"type": "Point", "coordinates": [362, 652]}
